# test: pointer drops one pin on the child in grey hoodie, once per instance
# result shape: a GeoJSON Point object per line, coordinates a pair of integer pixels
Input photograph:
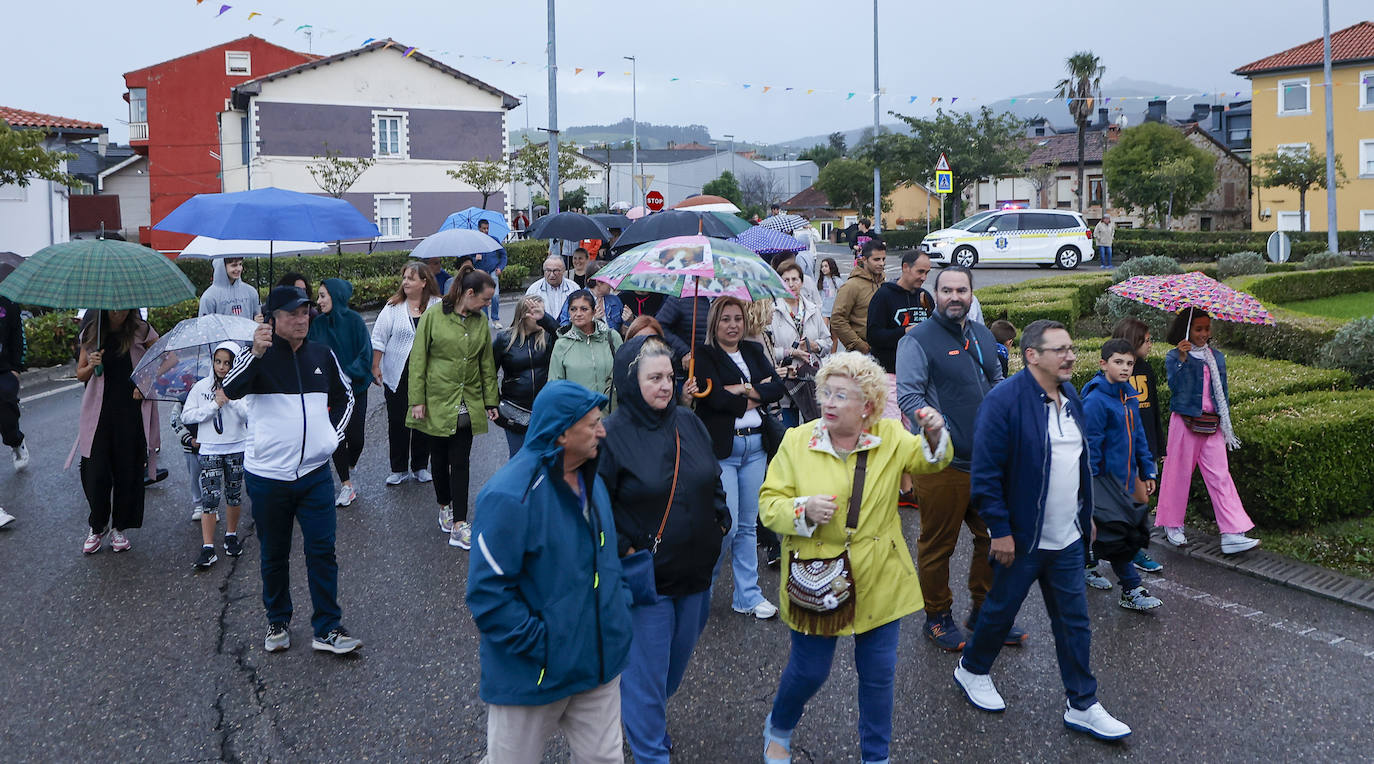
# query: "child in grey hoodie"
{"type": "Point", "coordinates": [228, 295]}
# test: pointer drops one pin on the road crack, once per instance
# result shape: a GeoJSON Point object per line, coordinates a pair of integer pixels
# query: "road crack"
{"type": "Point", "coordinates": [243, 689]}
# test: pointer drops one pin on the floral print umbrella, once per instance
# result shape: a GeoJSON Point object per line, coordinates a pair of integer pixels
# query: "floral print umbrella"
{"type": "Point", "coordinates": [1194, 289]}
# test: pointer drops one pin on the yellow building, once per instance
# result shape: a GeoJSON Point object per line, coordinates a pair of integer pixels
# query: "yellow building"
{"type": "Point", "coordinates": [1289, 114]}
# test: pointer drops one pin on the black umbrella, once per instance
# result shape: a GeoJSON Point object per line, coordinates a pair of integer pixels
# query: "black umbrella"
{"type": "Point", "coordinates": [8, 262]}
{"type": "Point", "coordinates": [568, 225]}
{"type": "Point", "coordinates": [670, 223]}
{"type": "Point", "coordinates": [612, 220]}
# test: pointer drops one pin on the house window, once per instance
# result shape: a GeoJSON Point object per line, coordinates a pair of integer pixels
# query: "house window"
{"type": "Point", "coordinates": [1294, 97]}
{"type": "Point", "coordinates": [1228, 194]}
{"type": "Point", "coordinates": [393, 216]}
{"type": "Point", "coordinates": [1288, 221]}
{"type": "Point", "coordinates": [138, 104]}
{"type": "Point", "coordinates": [238, 63]}
{"type": "Point", "coordinates": [1292, 148]}
{"type": "Point", "coordinates": [1205, 224]}
{"type": "Point", "coordinates": [390, 132]}
{"type": "Point", "coordinates": [1367, 220]}
{"type": "Point", "coordinates": [1367, 159]}
{"type": "Point", "coordinates": [1096, 191]}
{"type": "Point", "coordinates": [1366, 89]}
{"type": "Point", "coordinates": [806, 181]}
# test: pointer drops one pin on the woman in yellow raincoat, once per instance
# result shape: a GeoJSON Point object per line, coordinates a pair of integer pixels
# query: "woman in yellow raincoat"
{"type": "Point", "coordinates": [806, 500]}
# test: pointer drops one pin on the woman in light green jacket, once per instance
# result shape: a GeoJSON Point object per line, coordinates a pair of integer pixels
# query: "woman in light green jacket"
{"type": "Point", "coordinates": [453, 390]}
{"type": "Point", "coordinates": [585, 350]}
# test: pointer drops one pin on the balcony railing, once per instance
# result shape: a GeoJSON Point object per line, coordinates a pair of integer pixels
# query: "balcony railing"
{"type": "Point", "coordinates": [138, 131]}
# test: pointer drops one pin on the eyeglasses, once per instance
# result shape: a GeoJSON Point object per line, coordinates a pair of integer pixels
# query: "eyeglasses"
{"type": "Point", "coordinates": [552, 271]}
{"type": "Point", "coordinates": [1062, 350]}
{"type": "Point", "coordinates": [826, 394]}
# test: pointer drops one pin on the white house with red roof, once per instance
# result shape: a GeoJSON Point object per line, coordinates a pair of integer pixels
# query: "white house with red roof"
{"type": "Point", "coordinates": [35, 215]}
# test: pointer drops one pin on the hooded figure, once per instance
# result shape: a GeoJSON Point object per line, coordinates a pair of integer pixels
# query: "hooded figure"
{"type": "Point", "coordinates": [544, 582]}
{"type": "Point", "coordinates": [587, 359]}
{"type": "Point", "coordinates": [345, 332]}
{"type": "Point", "coordinates": [229, 296]}
{"type": "Point", "coordinates": [1117, 446]}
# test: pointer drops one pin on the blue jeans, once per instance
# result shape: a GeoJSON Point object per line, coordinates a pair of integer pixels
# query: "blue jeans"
{"type": "Point", "coordinates": [742, 475]}
{"type": "Point", "coordinates": [1105, 255]}
{"type": "Point", "coordinates": [665, 633]}
{"type": "Point", "coordinates": [494, 309]}
{"type": "Point", "coordinates": [808, 665]}
{"type": "Point", "coordinates": [310, 502]}
{"type": "Point", "coordinates": [514, 440]}
{"type": "Point", "coordinates": [1126, 574]}
{"type": "Point", "coordinates": [1060, 574]}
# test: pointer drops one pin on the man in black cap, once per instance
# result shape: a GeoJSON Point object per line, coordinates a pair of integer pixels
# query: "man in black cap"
{"type": "Point", "coordinates": [299, 402]}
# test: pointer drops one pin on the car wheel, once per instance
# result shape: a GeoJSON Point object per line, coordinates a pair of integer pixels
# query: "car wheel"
{"type": "Point", "coordinates": [966, 256]}
{"type": "Point", "coordinates": [1067, 258]}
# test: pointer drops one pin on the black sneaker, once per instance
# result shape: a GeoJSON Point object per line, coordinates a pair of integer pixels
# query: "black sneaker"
{"type": "Point", "coordinates": [232, 547]}
{"type": "Point", "coordinates": [158, 478]}
{"type": "Point", "coordinates": [941, 630]}
{"type": "Point", "coordinates": [278, 638]}
{"type": "Point", "coordinates": [336, 641]}
{"type": "Point", "coordinates": [774, 555]}
{"type": "Point", "coordinates": [206, 558]}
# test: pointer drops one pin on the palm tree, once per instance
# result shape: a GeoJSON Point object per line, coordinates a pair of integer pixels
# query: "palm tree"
{"type": "Point", "coordinates": [1081, 87]}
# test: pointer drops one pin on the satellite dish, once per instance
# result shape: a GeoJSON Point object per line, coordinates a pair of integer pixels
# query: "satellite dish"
{"type": "Point", "coordinates": [1279, 247]}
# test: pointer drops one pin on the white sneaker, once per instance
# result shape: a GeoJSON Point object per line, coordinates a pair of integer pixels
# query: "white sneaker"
{"type": "Point", "coordinates": [762, 611]}
{"type": "Point", "coordinates": [196, 513]}
{"type": "Point", "coordinates": [1096, 722]}
{"type": "Point", "coordinates": [1235, 543]}
{"type": "Point", "coordinates": [396, 478]}
{"type": "Point", "coordinates": [423, 476]}
{"type": "Point", "coordinates": [5, 518]}
{"type": "Point", "coordinates": [461, 536]}
{"type": "Point", "coordinates": [979, 690]}
{"type": "Point", "coordinates": [446, 518]}
{"type": "Point", "coordinates": [346, 495]}
{"type": "Point", "coordinates": [1175, 536]}
{"type": "Point", "coordinates": [21, 457]}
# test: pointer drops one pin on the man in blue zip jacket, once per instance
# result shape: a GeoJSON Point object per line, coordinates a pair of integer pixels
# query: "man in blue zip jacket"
{"type": "Point", "coordinates": [545, 589]}
{"type": "Point", "coordinates": [1032, 484]}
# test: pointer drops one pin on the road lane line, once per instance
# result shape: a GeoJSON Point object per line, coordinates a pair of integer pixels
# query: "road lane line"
{"type": "Point", "coordinates": [46, 393]}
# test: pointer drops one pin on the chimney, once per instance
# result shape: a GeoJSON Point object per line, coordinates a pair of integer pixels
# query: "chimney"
{"type": "Point", "coordinates": [1217, 109]}
{"type": "Point", "coordinates": [102, 143]}
{"type": "Point", "coordinates": [1101, 118]}
{"type": "Point", "coordinates": [1156, 111]}
{"type": "Point", "coordinates": [1200, 112]}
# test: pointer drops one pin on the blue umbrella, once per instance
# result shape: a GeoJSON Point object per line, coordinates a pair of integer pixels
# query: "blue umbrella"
{"type": "Point", "coordinates": [468, 218]}
{"type": "Point", "coordinates": [269, 214]}
{"type": "Point", "coordinates": [766, 241]}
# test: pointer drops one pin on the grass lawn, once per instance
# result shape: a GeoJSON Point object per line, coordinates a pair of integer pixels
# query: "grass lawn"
{"type": "Point", "coordinates": [1353, 305]}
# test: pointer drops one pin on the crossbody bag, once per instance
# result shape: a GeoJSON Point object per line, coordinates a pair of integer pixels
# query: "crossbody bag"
{"type": "Point", "coordinates": [820, 591]}
{"type": "Point", "coordinates": [638, 567]}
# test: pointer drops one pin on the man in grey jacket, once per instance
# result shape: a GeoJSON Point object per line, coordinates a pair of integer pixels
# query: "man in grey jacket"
{"type": "Point", "coordinates": [228, 295]}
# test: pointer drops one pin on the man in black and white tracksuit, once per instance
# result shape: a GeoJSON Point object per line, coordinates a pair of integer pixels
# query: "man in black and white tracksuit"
{"type": "Point", "coordinates": [299, 401]}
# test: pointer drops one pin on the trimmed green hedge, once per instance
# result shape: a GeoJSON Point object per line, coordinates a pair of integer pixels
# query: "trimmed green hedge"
{"type": "Point", "coordinates": [1060, 298]}
{"type": "Point", "coordinates": [1305, 458]}
{"type": "Point", "coordinates": [1295, 336]}
{"type": "Point", "coordinates": [903, 239]}
{"type": "Point", "coordinates": [1346, 241]}
{"type": "Point", "coordinates": [1192, 252]}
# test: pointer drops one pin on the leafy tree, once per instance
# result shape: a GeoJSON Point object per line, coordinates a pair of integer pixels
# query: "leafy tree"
{"type": "Point", "coordinates": [1081, 87]}
{"type": "Point", "coordinates": [849, 183]}
{"type": "Point", "coordinates": [334, 173]}
{"type": "Point", "coordinates": [822, 154]}
{"type": "Point", "coordinates": [981, 145]}
{"type": "Point", "coordinates": [837, 143]}
{"type": "Point", "coordinates": [725, 187]}
{"type": "Point", "coordinates": [531, 166]}
{"type": "Point", "coordinates": [23, 159]}
{"type": "Point", "coordinates": [1155, 168]}
{"type": "Point", "coordinates": [487, 177]}
{"type": "Point", "coordinates": [575, 199]}
{"type": "Point", "coordinates": [1298, 170]}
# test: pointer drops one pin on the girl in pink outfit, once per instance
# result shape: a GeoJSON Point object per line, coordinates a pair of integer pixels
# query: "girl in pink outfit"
{"type": "Point", "coordinates": [1200, 433]}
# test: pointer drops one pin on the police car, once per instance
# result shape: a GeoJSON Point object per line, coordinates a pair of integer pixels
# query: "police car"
{"type": "Point", "coordinates": [1046, 237]}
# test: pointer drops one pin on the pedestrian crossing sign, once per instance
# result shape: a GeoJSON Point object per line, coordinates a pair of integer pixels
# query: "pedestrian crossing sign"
{"type": "Point", "coordinates": [944, 177]}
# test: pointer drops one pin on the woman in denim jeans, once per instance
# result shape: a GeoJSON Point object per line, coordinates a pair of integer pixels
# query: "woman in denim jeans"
{"type": "Point", "coordinates": [739, 379]}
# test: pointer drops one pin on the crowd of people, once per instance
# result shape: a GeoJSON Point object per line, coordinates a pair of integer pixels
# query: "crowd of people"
{"type": "Point", "coordinates": [632, 485]}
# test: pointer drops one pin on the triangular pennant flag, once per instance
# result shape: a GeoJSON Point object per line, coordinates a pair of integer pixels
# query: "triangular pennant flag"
{"type": "Point", "coordinates": [746, 87]}
{"type": "Point", "coordinates": [278, 21]}
{"type": "Point", "coordinates": [512, 63]}
{"type": "Point", "coordinates": [253, 14]}
{"type": "Point", "coordinates": [389, 43]}
{"type": "Point", "coordinates": [598, 74]}
{"type": "Point", "coordinates": [303, 26]}
{"type": "Point", "coordinates": [767, 88]}
{"type": "Point", "coordinates": [933, 99]}
{"type": "Point", "coordinates": [672, 79]}
{"type": "Point", "coordinates": [809, 91]}
{"type": "Point", "coordinates": [369, 41]}
{"type": "Point", "coordinates": [787, 89]}
{"type": "Point", "coordinates": [409, 52]}
{"type": "Point", "coordinates": [952, 100]}
{"type": "Point", "coordinates": [628, 74]}
{"type": "Point", "coordinates": [198, 2]}
{"type": "Point", "coordinates": [851, 95]}
{"type": "Point", "coordinates": [872, 97]}
{"type": "Point", "coordinates": [577, 70]}
{"type": "Point", "coordinates": [222, 9]}
{"type": "Point", "coordinates": [913, 100]}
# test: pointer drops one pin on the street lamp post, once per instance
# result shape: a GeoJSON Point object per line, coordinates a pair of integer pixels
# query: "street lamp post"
{"type": "Point", "coordinates": [877, 173]}
{"type": "Point", "coordinates": [553, 116]}
{"type": "Point", "coordinates": [732, 155]}
{"type": "Point", "coordinates": [634, 128]}
{"type": "Point", "coordinates": [1330, 133]}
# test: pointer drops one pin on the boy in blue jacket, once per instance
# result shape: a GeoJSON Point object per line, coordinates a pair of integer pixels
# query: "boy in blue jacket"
{"type": "Point", "coordinates": [1117, 448]}
{"type": "Point", "coordinates": [545, 589]}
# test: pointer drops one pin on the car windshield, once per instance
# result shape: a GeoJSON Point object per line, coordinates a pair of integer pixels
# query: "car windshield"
{"type": "Point", "coordinates": [964, 224]}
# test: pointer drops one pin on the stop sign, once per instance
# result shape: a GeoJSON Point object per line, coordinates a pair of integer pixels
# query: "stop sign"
{"type": "Point", "coordinates": [654, 201]}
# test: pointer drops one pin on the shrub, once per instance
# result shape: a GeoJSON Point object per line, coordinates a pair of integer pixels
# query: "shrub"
{"type": "Point", "coordinates": [530, 253]}
{"type": "Point", "coordinates": [1146, 266]}
{"type": "Point", "coordinates": [51, 339]}
{"type": "Point", "coordinates": [1305, 457]}
{"type": "Point", "coordinates": [513, 278]}
{"type": "Point", "coordinates": [1352, 349]}
{"type": "Point", "coordinates": [164, 318]}
{"type": "Point", "coordinates": [1323, 260]}
{"type": "Point", "coordinates": [1241, 264]}
{"type": "Point", "coordinates": [907, 239]}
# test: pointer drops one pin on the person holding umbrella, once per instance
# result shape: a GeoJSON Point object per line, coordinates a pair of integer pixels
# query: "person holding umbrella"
{"type": "Point", "coordinates": [393, 334]}
{"type": "Point", "coordinates": [118, 433]}
{"type": "Point", "coordinates": [222, 436]}
{"type": "Point", "coordinates": [342, 330]}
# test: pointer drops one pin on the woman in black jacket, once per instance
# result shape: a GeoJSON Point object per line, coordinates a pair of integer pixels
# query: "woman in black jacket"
{"type": "Point", "coordinates": [667, 498]}
{"type": "Point", "coordinates": [741, 381]}
{"type": "Point", "coordinates": [522, 355]}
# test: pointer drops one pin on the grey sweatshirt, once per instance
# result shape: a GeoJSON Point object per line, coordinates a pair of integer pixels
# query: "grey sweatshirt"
{"type": "Point", "coordinates": [229, 298]}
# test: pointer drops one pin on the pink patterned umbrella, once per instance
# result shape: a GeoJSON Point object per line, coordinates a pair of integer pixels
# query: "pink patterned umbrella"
{"type": "Point", "coordinates": [1194, 289]}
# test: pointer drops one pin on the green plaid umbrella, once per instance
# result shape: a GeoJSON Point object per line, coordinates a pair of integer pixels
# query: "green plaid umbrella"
{"type": "Point", "coordinates": [98, 274]}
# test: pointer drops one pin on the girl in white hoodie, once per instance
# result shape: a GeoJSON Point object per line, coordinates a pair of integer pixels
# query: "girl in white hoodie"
{"type": "Point", "coordinates": [222, 435]}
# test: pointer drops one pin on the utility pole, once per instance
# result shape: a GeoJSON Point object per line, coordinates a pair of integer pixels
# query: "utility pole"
{"type": "Point", "coordinates": [1331, 244]}
{"type": "Point", "coordinates": [877, 173]}
{"type": "Point", "coordinates": [732, 156]}
{"type": "Point", "coordinates": [553, 117]}
{"type": "Point", "coordinates": [634, 129]}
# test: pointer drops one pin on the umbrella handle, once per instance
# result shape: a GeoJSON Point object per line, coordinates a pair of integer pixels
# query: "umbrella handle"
{"type": "Point", "coordinates": [692, 372]}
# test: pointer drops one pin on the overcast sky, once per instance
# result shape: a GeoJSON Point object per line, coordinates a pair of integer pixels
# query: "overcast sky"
{"type": "Point", "coordinates": [69, 58]}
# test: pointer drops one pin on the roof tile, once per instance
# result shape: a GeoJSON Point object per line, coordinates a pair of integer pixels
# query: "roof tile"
{"type": "Point", "coordinates": [1354, 43]}
{"type": "Point", "coordinates": [22, 118]}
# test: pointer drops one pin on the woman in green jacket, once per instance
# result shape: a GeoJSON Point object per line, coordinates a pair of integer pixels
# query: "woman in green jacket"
{"type": "Point", "coordinates": [453, 391]}
{"type": "Point", "coordinates": [585, 350]}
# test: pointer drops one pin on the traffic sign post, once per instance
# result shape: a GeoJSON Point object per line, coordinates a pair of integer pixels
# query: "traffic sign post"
{"type": "Point", "coordinates": [944, 177]}
{"type": "Point", "coordinates": [654, 201]}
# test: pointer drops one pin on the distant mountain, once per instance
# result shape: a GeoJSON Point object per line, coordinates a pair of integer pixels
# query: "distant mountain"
{"type": "Point", "coordinates": [651, 136]}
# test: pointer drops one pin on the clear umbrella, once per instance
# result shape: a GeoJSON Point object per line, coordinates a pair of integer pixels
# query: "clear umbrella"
{"type": "Point", "coordinates": [184, 355]}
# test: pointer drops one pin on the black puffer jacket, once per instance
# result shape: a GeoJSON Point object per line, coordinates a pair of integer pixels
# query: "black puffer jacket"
{"type": "Point", "coordinates": [524, 368]}
{"type": "Point", "coordinates": [636, 463]}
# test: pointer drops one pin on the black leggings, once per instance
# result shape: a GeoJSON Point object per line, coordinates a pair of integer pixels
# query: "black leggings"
{"type": "Point", "coordinates": [112, 476]}
{"type": "Point", "coordinates": [451, 456]}
{"type": "Point", "coordinates": [351, 447]}
{"type": "Point", "coordinates": [406, 443]}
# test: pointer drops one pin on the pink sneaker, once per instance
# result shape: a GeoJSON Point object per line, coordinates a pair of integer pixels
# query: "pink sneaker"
{"type": "Point", "coordinates": [93, 542]}
{"type": "Point", "coordinates": [119, 542]}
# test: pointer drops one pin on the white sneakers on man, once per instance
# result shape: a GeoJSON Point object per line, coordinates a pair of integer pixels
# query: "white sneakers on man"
{"type": "Point", "coordinates": [1095, 721]}
{"type": "Point", "coordinates": [978, 688]}
{"type": "Point", "coordinates": [1235, 543]}
{"type": "Point", "coordinates": [5, 518]}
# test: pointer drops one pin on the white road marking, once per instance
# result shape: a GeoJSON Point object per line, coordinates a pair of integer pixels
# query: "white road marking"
{"type": "Point", "coordinates": [46, 393]}
{"type": "Point", "coordinates": [1279, 624]}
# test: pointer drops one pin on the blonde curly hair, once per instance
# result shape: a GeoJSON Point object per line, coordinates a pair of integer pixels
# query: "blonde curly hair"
{"type": "Point", "coordinates": [865, 372]}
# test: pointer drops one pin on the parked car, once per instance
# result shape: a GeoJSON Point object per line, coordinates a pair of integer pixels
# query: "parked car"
{"type": "Point", "coordinates": [1046, 237]}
